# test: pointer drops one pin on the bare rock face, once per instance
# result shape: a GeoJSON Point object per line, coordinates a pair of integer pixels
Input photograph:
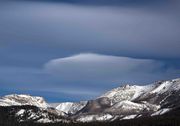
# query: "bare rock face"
{"type": "Point", "coordinates": [96, 106]}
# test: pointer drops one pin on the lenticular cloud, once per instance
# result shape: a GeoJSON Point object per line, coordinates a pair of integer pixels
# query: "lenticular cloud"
{"type": "Point", "coordinates": [89, 66]}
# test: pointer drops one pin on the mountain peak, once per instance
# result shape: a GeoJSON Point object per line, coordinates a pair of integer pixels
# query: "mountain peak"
{"type": "Point", "coordinates": [23, 99]}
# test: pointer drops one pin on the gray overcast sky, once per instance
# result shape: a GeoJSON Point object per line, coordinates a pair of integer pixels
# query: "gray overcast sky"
{"type": "Point", "coordinates": [70, 50]}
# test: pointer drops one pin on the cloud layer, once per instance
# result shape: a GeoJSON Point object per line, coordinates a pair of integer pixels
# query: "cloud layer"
{"type": "Point", "coordinates": [131, 31]}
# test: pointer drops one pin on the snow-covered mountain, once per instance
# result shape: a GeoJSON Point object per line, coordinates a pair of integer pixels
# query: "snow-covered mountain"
{"type": "Point", "coordinates": [125, 102]}
{"type": "Point", "coordinates": [15, 100]}
{"type": "Point", "coordinates": [134, 101]}
{"type": "Point", "coordinates": [150, 93]}
{"type": "Point", "coordinates": [30, 108]}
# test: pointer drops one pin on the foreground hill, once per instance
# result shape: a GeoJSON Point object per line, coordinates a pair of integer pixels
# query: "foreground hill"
{"type": "Point", "coordinates": [171, 118]}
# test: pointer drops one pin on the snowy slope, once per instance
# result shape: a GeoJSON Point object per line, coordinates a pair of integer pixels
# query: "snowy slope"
{"type": "Point", "coordinates": [127, 92]}
{"type": "Point", "coordinates": [14, 99]}
{"type": "Point", "coordinates": [97, 117]}
{"type": "Point", "coordinates": [71, 107]}
{"type": "Point", "coordinates": [125, 107]}
{"type": "Point", "coordinates": [167, 86]}
{"type": "Point", "coordinates": [135, 93]}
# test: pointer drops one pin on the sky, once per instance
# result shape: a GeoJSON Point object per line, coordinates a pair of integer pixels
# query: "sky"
{"type": "Point", "coordinates": [72, 50]}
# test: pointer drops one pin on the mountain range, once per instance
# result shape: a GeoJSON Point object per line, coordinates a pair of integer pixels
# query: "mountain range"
{"type": "Point", "coordinates": [122, 103]}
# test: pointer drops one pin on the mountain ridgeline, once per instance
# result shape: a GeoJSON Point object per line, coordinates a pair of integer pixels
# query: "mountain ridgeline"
{"type": "Point", "coordinates": [155, 104]}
